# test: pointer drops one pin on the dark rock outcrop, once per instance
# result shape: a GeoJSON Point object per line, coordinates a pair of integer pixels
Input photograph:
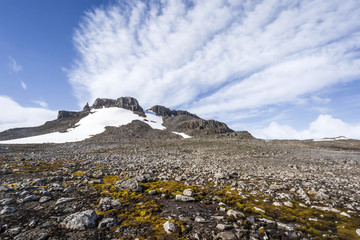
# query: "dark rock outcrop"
{"type": "Point", "coordinates": [166, 112]}
{"type": "Point", "coordinates": [86, 108]}
{"type": "Point", "coordinates": [128, 103]}
{"type": "Point", "coordinates": [183, 121]}
{"type": "Point", "coordinates": [68, 114]}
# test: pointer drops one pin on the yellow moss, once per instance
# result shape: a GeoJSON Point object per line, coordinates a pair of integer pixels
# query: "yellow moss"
{"type": "Point", "coordinates": [79, 173]}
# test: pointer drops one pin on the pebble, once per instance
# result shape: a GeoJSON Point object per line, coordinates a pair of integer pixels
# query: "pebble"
{"type": "Point", "coordinates": [223, 227]}
{"type": "Point", "coordinates": [7, 209]}
{"type": "Point", "coordinates": [30, 198]}
{"type": "Point", "coordinates": [200, 219]}
{"type": "Point", "coordinates": [188, 192]}
{"type": "Point", "coordinates": [44, 199]}
{"type": "Point", "coordinates": [169, 227]}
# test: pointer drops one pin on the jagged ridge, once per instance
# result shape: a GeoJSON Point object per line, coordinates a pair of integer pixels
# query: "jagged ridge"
{"type": "Point", "coordinates": [173, 120]}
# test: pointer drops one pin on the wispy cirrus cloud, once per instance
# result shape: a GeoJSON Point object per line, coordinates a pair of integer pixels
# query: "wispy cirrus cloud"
{"type": "Point", "coordinates": [14, 66]}
{"type": "Point", "coordinates": [216, 57]}
{"type": "Point", "coordinates": [41, 103]}
{"type": "Point", "coordinates": [23, 85]}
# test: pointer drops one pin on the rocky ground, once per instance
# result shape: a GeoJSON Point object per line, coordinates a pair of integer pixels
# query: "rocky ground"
{"type": "Point", "coordinates": [216, 187]}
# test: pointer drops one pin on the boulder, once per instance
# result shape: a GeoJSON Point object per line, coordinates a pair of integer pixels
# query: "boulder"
{"type": "Point", "coordinates": [80, 220]}
{"type": "Point", "coordinates": [169, 227]}
{"type": "Point", "coordinates": [183, 198]}
{"type": "Point", "coordinates": [130, 184]}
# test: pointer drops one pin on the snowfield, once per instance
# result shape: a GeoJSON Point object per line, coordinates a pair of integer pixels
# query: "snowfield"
{"type": "Point", "coordinates": [93, 124]}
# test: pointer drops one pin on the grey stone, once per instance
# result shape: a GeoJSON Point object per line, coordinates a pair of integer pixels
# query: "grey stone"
{"type": "Point", "coordinates": [14, 231]}
{"type": "Point", "coordinates": [223, 227]}
{"type": "Point", "coordinates": [169, 227]}
{"type": "Point", "coordinates": [130, 184]}
{"type": "Point", "coordinates": [7, 209]}
{"type": "Point", "coordinates": [108, 203]}
{"type": "Point", "coordinates": [30, 198]}
{"type": "Point", "coordinates": [188, 192]}
{"type": "Point", "coordinates": [80, 220]}
{"type": "Point", "coordinates": [200, 219]}
{"type": "Point", "coordinates": [234, 213]}
{"type": "Point", "coordinates": [44, 199]}
{"type": "Point", "coordinates": [152, 192]}
{"type": "Point", "coordinates": [64, 200]}
{"type": "Point", "coordinates": [4, 188]}
{"type": "Point", "coordinates": [227, 235]}
{"type": "Point", "coordinates": [107, 223]}
{"type": "Point", "coordinates": [288, 204]}
{"type": "Point", "coordinates": [182, 198]}
{"type": "Point", "coordinates": [7, 201]}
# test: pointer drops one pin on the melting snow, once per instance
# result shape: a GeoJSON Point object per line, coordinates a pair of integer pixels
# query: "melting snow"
{"type": "Point", "coordinates": [330, 139]}
{"type": "Point", "coordinates": [93, 124]}
{"type": "Point", "coordinates": [182, 134]}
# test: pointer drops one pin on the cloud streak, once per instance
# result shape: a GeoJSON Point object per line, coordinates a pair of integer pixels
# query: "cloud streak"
{"type": "Point", "coordinates": [18, 116]}
{"type": "Point", "coordinates": [23, 85]}
{"type": "Point", "coordinates": [216, 57]}
{"type": "Point", "coordinates": [14, 66]}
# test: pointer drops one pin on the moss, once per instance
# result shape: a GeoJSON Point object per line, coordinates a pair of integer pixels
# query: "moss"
{"type": "Point", "coordinates": [147, 214]}
{"type": "Point", "coordinates": [79, 173]}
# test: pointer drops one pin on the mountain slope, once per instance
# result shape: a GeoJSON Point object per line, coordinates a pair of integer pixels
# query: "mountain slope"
{"type": "Point", "coordinates": [107, 116]}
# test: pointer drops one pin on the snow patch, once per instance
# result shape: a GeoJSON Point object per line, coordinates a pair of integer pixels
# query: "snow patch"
{"type": "Point", "coordinates": [93, 124]}
{"type": "Point", "coordinates": [183, 135]}
{"type": "Point", "coordinates": [330, 139]}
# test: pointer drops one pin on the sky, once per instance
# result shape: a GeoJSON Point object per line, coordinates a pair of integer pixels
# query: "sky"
{"type": "Point", "coordinates": [278, 69]}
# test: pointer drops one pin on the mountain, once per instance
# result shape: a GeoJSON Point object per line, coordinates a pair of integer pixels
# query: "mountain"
{"type": "Point", "coordinates": [112, 118]}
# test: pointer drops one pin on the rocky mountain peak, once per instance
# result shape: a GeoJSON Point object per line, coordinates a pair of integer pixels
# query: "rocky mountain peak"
{"type": "Point", "coordinates": [128, 103]}
{"type": "Point", "coordinates": [166, 112]}
{"type": "Point", "coordinates": [189, 123]}
{"type": "Point", "coordinates": [86, 108]}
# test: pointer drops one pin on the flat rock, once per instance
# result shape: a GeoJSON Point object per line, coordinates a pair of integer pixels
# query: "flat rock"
{"type": "Point", "coordinates": [188, 192]}
{"type": "Point", "coordinates": [4, 188]}
{"type": "Point", "coordinates": [200, 219]}
{"type": "Point", "coordinates": [44, 199]}
{"type": "Point", "coordinates": [64, 200]}
{"type": "Point", "coordinates": [7, 201]}
{"type": "Point", "coordinates": [30, 198]}
{"type": "Point", "coordinates": [7, 209]}
{"type": "Point", "coordinates": [182, 198]}
{"type": "Point", "coordinates": [234, 213]}
{"type": "Point", "coordinates": [107, 223]}
{"type": "Point", "coordinates": [80, 220]}
{"type": "Point", "coordinates": [223, 227]}
{"type": "Point", "coordinates": [227, 235]}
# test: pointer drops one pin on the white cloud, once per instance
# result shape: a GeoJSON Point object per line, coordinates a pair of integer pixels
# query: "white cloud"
{"type": "Point", "coordinates": [23, 85]}
{"type": "Point", "coordinates": [323, 126]}
{"type": "Point", "coordinates": [14, 66]}
{"type": "Point", "coordinates": [217, 57]}
{"type": "Point", "coordinates": [16, 115]}
{"type": "Point", "coordinates": [41, 103]}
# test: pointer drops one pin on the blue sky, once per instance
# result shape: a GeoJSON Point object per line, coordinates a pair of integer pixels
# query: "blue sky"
{"type": "Point", "coordinates": [280, 69]}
